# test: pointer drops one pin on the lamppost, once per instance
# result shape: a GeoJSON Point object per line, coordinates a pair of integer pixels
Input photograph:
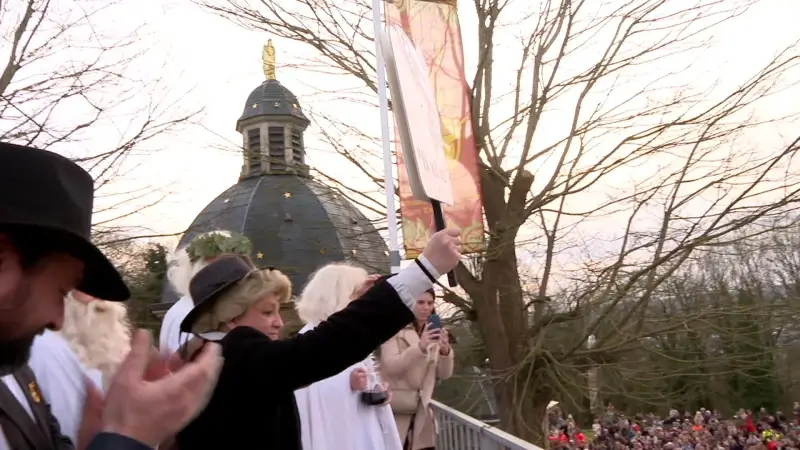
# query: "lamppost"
{"type": "Point", "coordinates": [592, 377]}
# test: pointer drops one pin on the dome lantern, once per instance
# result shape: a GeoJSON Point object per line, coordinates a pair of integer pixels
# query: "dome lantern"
{"type": "Point", "coordinates": [272, 127]}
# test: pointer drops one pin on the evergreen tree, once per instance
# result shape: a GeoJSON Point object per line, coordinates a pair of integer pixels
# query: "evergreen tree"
{"type": "Point", "coordinates": [146, 283]}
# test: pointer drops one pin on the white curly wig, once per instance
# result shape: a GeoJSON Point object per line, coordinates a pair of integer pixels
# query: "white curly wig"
{"type": "Point", "coordinates": [98, 332]}
{"type": "Point", "coordinates": [329, 290]}
{"type": "Point", "coordinates": [181, 269]}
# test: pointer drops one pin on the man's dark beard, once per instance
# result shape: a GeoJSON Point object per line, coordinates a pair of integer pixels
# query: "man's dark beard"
{"type": "Point", "coordinates": [14, 354]}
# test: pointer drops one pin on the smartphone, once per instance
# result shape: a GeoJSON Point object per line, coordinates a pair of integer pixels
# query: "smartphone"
{"type": "Point", "coordinates": [434, 322]}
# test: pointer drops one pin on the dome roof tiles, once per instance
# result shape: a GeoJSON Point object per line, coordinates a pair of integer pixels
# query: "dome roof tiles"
{"type": "Point", "coordinates": [271, 98]}
{"type": "Point", "coordinates": [295, 223]}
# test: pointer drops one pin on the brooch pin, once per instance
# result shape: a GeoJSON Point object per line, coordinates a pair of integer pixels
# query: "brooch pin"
{"type": "Point", "coordinates": [34, 390]}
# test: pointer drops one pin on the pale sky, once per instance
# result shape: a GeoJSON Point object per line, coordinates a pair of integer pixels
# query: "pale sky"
{"type": "Point", "coordinates": [222, 64]}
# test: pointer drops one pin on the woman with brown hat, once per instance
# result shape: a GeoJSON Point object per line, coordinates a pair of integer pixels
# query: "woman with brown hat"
{"type": "Point", "coordinates": [236, 305]}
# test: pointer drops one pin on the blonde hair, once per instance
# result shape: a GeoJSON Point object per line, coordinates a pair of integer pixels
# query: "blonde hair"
{"type": "Point", "coordinates": [98, 332]}
{"type": "Point", "coordinates": [329, 290]}
{"type": "Point", "coordinates": [181, 269]}
{"type": "Point", "coordinates": [237, 299]}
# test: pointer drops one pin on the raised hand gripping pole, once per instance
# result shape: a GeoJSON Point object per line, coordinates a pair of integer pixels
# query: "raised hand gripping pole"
{"type": "Point", "coordinates": [438, 219]}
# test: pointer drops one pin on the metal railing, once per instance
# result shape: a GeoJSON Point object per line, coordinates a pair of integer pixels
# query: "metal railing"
{"type": "Point", "coordinates": [458, 431]}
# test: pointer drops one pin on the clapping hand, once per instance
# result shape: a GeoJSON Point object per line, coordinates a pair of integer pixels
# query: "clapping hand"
{"type": "Point", "coordinates": [158, 367]}
{"type": "Point", "coordinates": [92, 415]}
{"type": "Point", "coordinates": [148, 402]}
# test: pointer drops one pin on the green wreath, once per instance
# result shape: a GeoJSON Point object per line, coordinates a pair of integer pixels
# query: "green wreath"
{"type": "Point", "coordinates": [211, 245]}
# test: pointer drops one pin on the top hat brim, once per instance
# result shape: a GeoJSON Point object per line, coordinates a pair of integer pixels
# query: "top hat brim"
{"type": "Point", "coordinates": [202, 306]}
{"type": "Point", "coordinates": [100, 278]}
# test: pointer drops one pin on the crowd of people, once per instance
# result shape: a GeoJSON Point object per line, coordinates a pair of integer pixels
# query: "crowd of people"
{"type": "Point", "coordinates": [73, 374]}
{"type": "Point", "coordinates": [700, 430]}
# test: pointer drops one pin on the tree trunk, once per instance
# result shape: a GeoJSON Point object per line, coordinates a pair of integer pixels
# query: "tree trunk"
{"type": "Point", "coordinates": [498, 301]}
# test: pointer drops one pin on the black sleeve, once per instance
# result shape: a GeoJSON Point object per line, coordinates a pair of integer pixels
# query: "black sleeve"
{"type": "Point", "coordinates": [344, 339]}
{"type": "Point", "coordinates": [112, 441]}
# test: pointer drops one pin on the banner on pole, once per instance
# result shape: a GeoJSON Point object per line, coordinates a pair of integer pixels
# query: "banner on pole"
{"type": "Point", "coordinates": [434, 28]}
{"type": "Point", "coordinates": [416, 117]}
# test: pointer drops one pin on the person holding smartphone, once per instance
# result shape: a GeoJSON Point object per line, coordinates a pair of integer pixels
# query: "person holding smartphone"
{"type": "Point", "coordinates": [411, 362]}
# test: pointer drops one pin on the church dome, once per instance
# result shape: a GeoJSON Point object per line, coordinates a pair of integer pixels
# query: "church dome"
{"type": "Point", "coordinates": [296, 225]}
{"type": "Point", "coordinates": [271, 98]}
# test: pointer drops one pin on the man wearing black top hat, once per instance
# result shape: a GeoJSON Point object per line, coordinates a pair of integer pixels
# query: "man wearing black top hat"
{"type": "Point", "coordinates": [45, 252]}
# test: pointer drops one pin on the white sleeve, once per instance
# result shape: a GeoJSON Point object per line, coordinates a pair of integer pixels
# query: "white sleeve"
{"type": "Point", "coordinates": [171, 338]}
{"type": "Point", "coordinates": [412, 282]}
{"type": "Point", "coordinates": [62, 379]}
{"type": "Point", "coordinates": [97, 378]}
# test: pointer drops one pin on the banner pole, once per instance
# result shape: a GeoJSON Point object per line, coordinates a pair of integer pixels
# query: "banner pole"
{"type": "Point", "coordinates": [388, 172]}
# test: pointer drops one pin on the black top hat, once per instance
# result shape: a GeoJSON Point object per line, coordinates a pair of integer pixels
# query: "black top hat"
{"type": "Point", "coordinates": [211, 281]}
{"type": "Point", "coordinates": [47, 196]}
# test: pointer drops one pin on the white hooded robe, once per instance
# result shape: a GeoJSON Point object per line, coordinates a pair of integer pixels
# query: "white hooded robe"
{"type": "Point", "coordinates": [170, 339]}
{"type": "Point", "coordinates": [62, 379]}
{"type": "Point", "coordinates": [332, 416]}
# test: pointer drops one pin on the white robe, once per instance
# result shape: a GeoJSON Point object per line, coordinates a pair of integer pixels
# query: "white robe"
{"type": "Point", "coordinates": [332, 417]}
{"type": "Point", "coordinates": [169, 340]}
{"type": "Point", "coordinates": [62, 379]}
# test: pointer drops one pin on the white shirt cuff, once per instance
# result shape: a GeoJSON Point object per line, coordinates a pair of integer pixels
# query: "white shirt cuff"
{"type": "Point", "coordinates": [412, 282]}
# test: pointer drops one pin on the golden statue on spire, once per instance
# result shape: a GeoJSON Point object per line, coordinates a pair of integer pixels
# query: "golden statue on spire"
{"type": "Point", "coordinates": [268, 59]}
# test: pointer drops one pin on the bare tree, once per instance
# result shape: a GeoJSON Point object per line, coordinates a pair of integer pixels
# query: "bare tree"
{"type": "Point", "coordinates": [593, 105]}
{"type": "Point", "coordinates": [736, 307]}
{"type": "Point", "coordinates": [71, 83]}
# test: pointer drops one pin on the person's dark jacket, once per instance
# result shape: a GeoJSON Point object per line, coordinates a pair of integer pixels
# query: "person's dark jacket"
{"type": "Point", "coordinates": [47, 429]}
{"type": "Point", "coordinates": [253, 405]}
{"type": "Point", "coordinates": [112, 441]}
{"type": "Point", "coordinates": [21, 431]}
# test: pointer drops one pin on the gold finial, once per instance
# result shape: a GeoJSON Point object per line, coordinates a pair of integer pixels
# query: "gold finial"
{"type": "Point", "coordinates": [268, 58]}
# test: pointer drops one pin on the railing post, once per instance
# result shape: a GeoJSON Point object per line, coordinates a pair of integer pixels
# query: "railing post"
{"type": "Point", "coordinates": [458, 431]}
{"type": "Point", "coordinates": [487, 443]}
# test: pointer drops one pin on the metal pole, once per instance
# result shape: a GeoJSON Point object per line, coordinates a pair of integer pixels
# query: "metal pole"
{"type": "Point", "coordinates": [383, 102]}
{"type": "Point", "coordinates": [592, 378]}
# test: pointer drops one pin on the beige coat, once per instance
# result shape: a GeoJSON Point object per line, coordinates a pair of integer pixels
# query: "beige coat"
{"type": "Point", "coordinates": [404, 366]}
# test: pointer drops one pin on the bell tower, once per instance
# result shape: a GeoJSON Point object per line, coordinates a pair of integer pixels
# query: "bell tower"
{"type": "Point", "coordinates": [272, 127]}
